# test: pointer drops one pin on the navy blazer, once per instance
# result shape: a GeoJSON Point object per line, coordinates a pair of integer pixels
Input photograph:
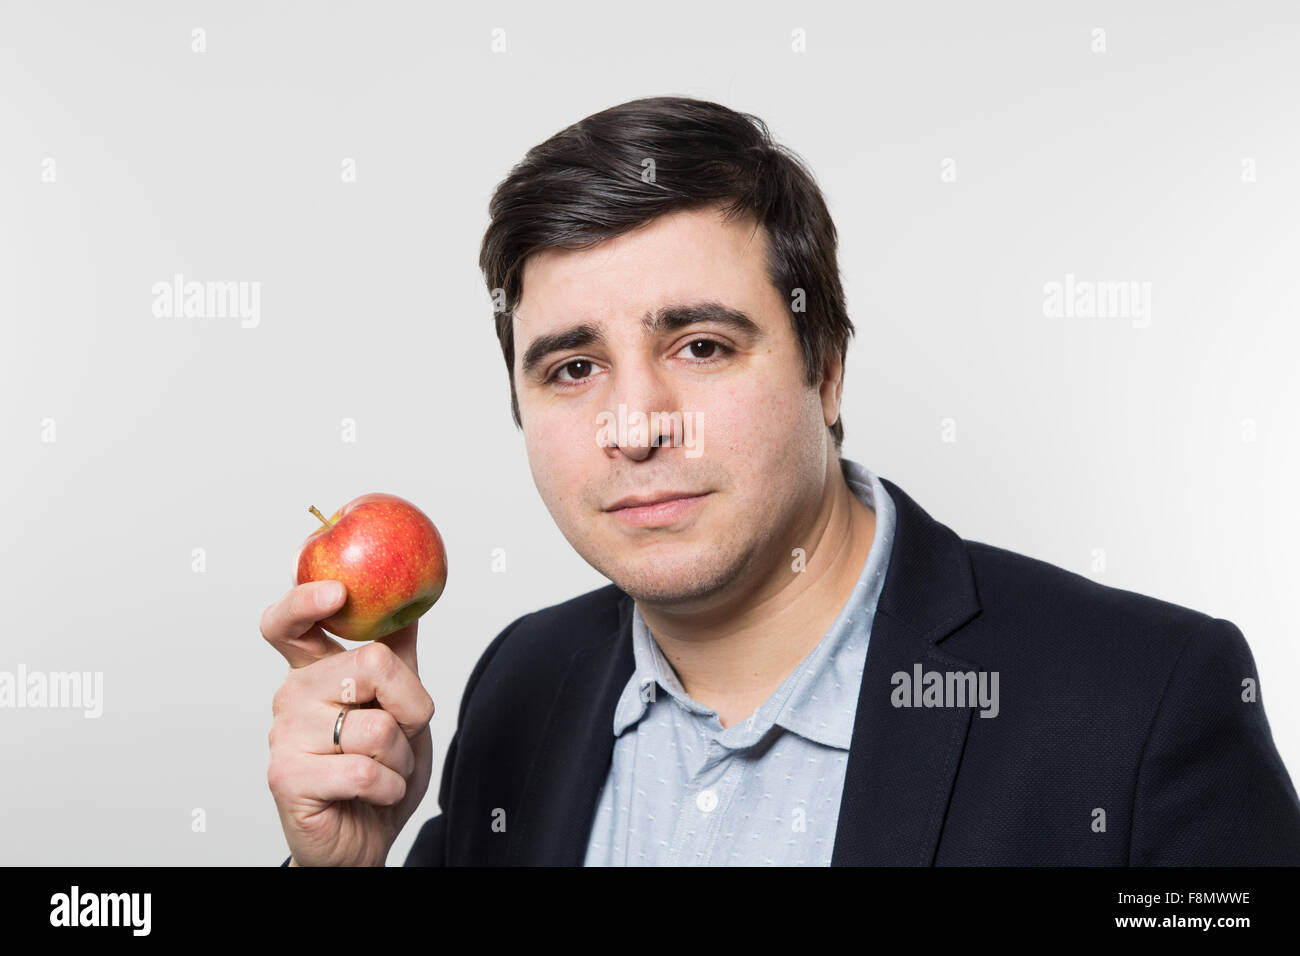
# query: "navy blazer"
{"type": "Point", "coordinates": [1124, 735]}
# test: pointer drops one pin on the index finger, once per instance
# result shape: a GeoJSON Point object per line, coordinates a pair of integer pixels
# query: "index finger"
{"type": "Point", "coordinates": [289, 625]}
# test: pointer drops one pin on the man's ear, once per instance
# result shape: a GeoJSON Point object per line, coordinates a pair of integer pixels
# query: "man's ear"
{"type": "Point", "coordinates": [832, 388]}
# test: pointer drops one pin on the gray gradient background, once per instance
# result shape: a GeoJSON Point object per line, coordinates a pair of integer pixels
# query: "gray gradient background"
{"type": "Point", "coordinates": [172, 434]}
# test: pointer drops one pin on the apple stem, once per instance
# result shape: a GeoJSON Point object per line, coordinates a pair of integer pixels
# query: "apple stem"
{"type": "Point", "coordinates": [313, 510]}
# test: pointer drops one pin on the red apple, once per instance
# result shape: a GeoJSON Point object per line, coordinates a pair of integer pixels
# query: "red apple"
{"type": "Point", "coordinates": [388, 554]}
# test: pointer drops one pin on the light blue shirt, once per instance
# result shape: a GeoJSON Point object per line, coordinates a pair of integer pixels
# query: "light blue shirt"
{"type": "Point", "coordinates": [682, 790]}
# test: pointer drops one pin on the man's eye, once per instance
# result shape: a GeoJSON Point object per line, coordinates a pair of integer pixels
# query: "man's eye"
{"type": "Point", "coordinates": [581, 369]}
{"type": "Point", "coordinates": [585, 371]}
{"type": "Point", "coordinates": [712, 353]}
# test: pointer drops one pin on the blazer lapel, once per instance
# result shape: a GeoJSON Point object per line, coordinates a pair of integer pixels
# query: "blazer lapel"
{"type": "Point", "coordinates": [560, 798]}
{"type": "Point", "coordinates": [903, 760]}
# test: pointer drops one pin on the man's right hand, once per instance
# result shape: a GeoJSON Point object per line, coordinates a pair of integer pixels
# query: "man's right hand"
{"type": "Point", "coordinates": [344, 809]}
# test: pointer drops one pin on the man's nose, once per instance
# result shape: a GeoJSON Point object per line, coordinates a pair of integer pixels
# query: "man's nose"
{"type": "Point", "coordinates": [643, 401]}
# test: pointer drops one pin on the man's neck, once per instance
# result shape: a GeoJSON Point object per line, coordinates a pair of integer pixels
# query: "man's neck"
{"type": "Point", "coordinates": [732, 659]}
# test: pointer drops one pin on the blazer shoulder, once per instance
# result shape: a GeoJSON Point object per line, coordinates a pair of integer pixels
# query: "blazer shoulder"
{"type": "Point", "coordinates": [539, 645]}
{"type": "Point", "coordinates": [587, 613]}
{"type": "Point", "coordinates": [1012, 583]}
{"type": "Point", "coordinates": [570, 625]}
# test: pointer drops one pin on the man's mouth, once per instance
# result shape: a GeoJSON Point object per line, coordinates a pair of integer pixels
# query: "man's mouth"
{"type": "Point", "coordinates": [657, 509]}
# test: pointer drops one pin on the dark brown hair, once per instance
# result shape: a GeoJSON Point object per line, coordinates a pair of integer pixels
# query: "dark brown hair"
{"type": "Point", "coordinates": [585, 184]}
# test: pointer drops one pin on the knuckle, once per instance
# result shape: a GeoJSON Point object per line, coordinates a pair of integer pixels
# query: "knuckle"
{"type": "Point", "coordinates": [362, 773]}
{"type": "Point", "coordinates": [276, 776]}
{"type": "Point", "coordinates": [381, 730]}
{"type": "Point", "coordinates": [389, 732]}
{"type": "Point", "coordinates": [276, 736]}
{"type": "Point", "coordinates": [266, 622]}
{"type": "Point", "coordinates": [377, 658]}
{"type": "Point", "coordinates": [283, 699]}
{"type": "Point", "coordinates": [298, 602]}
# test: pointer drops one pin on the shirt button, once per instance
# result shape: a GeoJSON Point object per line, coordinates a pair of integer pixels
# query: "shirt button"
{"type": "Point", "coordinates": [707, 800]}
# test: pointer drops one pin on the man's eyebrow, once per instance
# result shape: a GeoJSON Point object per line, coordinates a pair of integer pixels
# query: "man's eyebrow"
{"type": "Point", "coordinates": [669, 318]}
{"type": "Point", "coordinates": [576, 337]}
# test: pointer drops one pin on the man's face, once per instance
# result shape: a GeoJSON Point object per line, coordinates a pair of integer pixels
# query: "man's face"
{"type": "Point", "coordinates": [757, 432]}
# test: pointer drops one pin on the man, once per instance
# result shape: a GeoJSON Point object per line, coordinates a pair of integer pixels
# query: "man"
{"type": "Point", "coordinates": [794, 663]}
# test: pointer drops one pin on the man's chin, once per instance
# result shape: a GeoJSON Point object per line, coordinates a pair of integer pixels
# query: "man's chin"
{"type": "Point", "coordinates": [680, 588]}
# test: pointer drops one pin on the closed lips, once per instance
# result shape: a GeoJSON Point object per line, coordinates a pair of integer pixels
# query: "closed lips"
{"type": "Point", "coordinates": [640, 501]}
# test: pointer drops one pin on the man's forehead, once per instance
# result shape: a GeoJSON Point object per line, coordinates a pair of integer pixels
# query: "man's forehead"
{"type": "Point", "coordinates": [721, 260]}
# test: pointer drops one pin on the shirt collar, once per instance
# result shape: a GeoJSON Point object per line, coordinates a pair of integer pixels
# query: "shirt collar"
{"type": "Point", "coordinates": [818, 700]}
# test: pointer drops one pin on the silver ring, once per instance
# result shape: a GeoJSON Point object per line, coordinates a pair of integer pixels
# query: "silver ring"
{"type": "Point", "coordinates": [338, 729]}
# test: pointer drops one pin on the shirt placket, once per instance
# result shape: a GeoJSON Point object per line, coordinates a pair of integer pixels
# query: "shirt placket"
{"type": "Point", "coordinates": [711, 783]}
